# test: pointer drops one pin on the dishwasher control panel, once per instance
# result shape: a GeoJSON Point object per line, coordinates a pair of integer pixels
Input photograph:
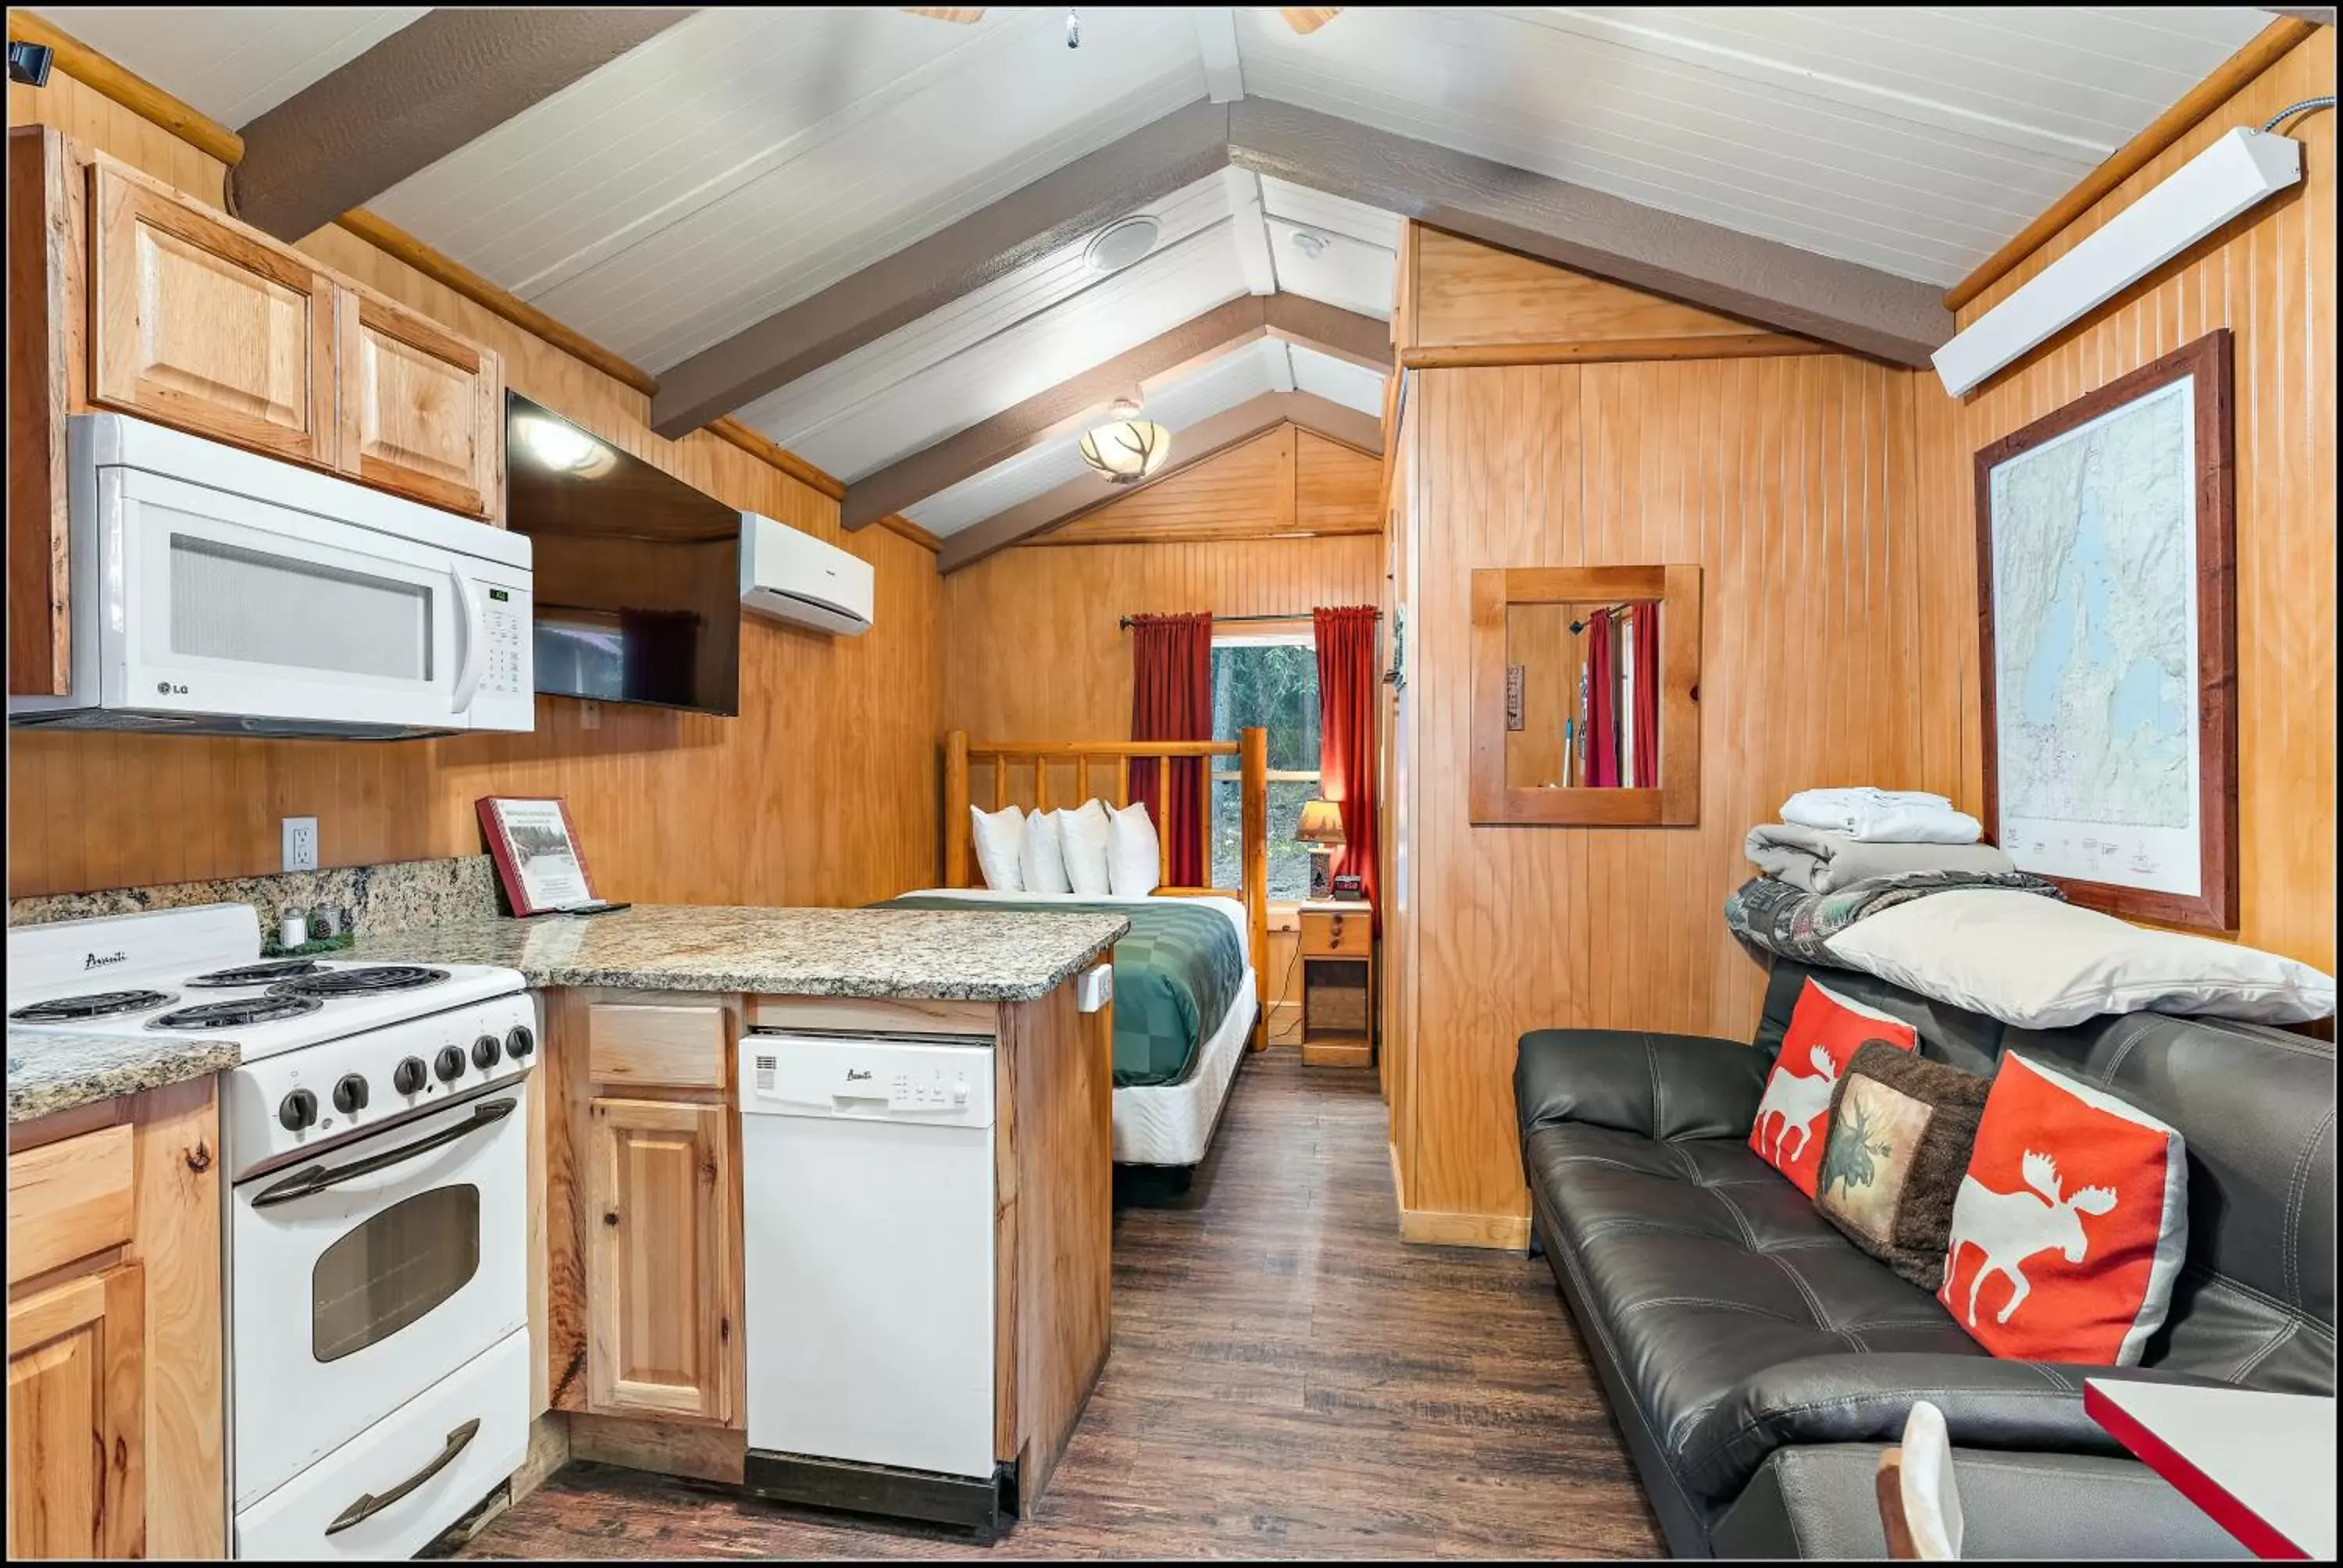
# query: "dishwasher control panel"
{"type": "Point", "coordinates": [940, 1083]}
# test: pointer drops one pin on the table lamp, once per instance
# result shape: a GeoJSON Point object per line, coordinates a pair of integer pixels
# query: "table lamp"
{"type": "Point", "coordinates": [1321, 827]}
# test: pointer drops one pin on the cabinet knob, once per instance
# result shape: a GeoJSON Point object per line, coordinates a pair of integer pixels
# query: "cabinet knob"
{"type": "Point", "coordinates": [611, 1218]}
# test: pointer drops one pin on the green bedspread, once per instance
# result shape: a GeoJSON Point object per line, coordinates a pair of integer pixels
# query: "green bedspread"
{"type": "Point", "coordinates": [1175, 977]}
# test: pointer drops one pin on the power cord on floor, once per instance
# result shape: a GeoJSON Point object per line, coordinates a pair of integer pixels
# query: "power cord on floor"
{"type": "Point", "coordinates": [1293, 968]}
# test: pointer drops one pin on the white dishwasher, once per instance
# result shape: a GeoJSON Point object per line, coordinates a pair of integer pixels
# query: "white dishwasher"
{"type": "Point", "coordinates": [866, 1182]}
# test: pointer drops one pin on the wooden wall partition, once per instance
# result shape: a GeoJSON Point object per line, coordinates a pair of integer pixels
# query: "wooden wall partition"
{"type": "Point", "coordinates": [823, 790]}
{"type": "Point", "coordinates": [2269, 277]}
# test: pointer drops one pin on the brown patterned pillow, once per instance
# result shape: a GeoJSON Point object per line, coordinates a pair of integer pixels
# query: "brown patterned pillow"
{"type": "Point", "coordinates": [1900, 1131]}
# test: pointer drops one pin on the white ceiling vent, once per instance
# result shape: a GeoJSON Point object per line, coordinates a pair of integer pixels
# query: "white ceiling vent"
{"type": "Point", "coordinates": [1120, 243]}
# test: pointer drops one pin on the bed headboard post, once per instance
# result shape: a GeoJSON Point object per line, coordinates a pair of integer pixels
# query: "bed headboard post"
{"type": "Point", "coordinates": [1253, 764]}
{"type": "Point", "coordinates": [957, 829]}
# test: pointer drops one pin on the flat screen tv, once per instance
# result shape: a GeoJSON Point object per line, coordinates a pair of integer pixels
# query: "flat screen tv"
{"type": "Point", "coordinates": [636, 573]}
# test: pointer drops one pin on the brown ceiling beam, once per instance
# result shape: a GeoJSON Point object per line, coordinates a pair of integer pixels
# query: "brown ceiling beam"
{"type": "Point", "coordinates": [1200, 442]}
{"type": "Point", "coordinates": [1857, 307]}
{"type": "Point", "coordinates": [1065, 408]}
{"type": "Point", "coordinates": [1179, 149]}
{"type": "Point", "coordinates": [450, 76]}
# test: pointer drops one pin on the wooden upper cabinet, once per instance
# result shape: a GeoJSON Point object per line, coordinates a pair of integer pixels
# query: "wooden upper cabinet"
{"type": "Point", "coordinates": [76, 1407]}
{"type": "Point", "coordinates": [422, 411]}
{"type": "Point", "coordinates": [194, 322]}
{"type": "Point", "coordinates": [662, 1281]}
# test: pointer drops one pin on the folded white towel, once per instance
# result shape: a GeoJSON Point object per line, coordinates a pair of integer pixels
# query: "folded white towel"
{"type": "Point", "coordinates": [1883, 816]}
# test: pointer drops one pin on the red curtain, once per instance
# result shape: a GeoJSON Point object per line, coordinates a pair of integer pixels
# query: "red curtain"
{"type": "Point", "coordinates": [1643, 626]}
{"type": "Point", "coordinates": [1602, 704]}
{"type": "Point", "coordinates": [1171, 699]}
{"type": "Point", "coordinates": [1348, 691]}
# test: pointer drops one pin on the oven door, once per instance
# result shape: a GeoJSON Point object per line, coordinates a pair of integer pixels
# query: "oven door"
{"type": "Point", "coordinates": [361, 1278]}
{"type": "Point", "coordinates": [223, 604]}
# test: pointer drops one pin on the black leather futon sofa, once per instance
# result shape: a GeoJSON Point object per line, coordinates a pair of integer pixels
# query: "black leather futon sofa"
{"type": "Point", "coordinates": [1758, 1361]}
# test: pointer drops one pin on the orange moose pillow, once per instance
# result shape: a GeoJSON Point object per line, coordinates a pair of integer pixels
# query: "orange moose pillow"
{"type": "Point", "coordinates": [2070, 1226]}
{"type": "Point", "coordinates": [1793, 1120]}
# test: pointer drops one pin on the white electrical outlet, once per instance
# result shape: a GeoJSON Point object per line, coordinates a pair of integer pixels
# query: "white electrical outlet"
{"type": "Point", "coordinates": [589, 715]}
{"type": "Point", "coordinates": [300, 844]}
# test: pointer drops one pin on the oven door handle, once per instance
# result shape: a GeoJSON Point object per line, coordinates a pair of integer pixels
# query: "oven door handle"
{"type": "Point", "coordinates": [317, 1178]}
{"type": "Point", "coordinates": [368, 1504]}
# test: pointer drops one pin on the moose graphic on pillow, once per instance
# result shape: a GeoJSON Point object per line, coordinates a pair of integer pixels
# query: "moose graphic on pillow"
{"type": "Point", "coordinates": [1799, 1101]}
{"type": "Point", "coordinates": [2010, 1227]}
{"type": "Point", "coordinates": [1826, 1030]}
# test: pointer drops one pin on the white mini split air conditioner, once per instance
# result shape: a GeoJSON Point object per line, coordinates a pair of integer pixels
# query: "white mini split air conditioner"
{"type": "Point", "coordinates": [791, 575]}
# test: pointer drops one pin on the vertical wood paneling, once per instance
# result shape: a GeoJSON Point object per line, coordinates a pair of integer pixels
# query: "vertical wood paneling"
{"type": "Point", "coordinates": [823, 790]}
{"type": "Point", "coordinates": [2269, 277]}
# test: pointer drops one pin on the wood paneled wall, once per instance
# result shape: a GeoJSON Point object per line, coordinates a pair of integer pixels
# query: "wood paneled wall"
{"type": "Point", "coordinates": [1830, 501]}
{"type": "Point", "coordinates": [2269, 277]}
{"type": "Point", "coordinates": [823, 790]}
{"type": "Point", "coordinates": [1033, 650]}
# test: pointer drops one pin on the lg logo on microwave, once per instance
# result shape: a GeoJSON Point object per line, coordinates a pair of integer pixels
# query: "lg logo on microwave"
{"type": "Point", "coordinates": [165, 689]}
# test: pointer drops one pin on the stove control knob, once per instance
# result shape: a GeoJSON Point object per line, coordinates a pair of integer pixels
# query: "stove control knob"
{"type": "Point", "coordinates": [484, 1052]}
{"type": "Point", "coordinates": [408, 1076]}
{"type": "Point", "coordinates": [520, 1041]}
{"type": "Point", "coordinates": [350, 1094]}
{"type": "Point", "coordinates": [297, 1110]}
{"type": "Point", "coordinates": [450, 1065]}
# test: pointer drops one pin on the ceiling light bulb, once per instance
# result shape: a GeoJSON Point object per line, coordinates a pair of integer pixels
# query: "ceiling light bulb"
{"type": "Point", "coordinates": [1126, 448]}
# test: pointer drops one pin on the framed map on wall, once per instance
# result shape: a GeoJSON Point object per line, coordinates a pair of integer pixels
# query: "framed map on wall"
{"type": "Point", "coordinates": [2105, 574]}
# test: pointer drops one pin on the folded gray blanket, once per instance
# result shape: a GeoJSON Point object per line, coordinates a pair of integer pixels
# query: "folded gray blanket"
{"type": "Point", "coordinates": [1774, 917]}
{"type": "Point", "coordinates": [1815, 862]}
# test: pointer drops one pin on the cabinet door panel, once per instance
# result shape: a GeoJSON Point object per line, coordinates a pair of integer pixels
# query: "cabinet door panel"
{"type": "Point", "coordinates": [77, 1448]}
{"type": "Point", "coordinates": [422, 410]}
{"type": "Point", "coordinates": [661, 1284]}
{"type": "Point", "coordinates": [197, 324]}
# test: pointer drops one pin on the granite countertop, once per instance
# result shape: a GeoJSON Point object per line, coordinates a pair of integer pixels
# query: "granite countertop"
{"type": "Point", "coordinates": [50, 1070]}
{"type": "Point", "coordinates": [950, 955]}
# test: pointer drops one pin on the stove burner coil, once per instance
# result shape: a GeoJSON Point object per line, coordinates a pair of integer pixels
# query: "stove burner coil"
{"type": "Point", "coordinates": [369, 980]}
{"type": "Point", "coordinates": [256, 974]}
{"type": "Point", "coordinates": [236, 1011]}
{"type": "Point", "coordinates": [95, 1004]}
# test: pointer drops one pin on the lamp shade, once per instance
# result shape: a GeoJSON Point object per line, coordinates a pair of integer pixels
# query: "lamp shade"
{"type": "Point", "coordinates": [1321, 823]}
{"type": "Point", "coordinates": [1126, 448]}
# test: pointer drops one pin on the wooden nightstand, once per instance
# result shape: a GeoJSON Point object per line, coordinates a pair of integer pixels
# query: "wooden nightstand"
{"type": "Point", "coordinates": [1338, 984]}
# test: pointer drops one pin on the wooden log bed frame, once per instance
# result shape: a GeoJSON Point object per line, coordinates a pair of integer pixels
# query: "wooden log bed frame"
{"type": "Point", "coordinates": [1011, 761]}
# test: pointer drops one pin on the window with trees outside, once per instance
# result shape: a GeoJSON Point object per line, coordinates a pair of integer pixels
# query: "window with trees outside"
{"type": "Point", "coordinates": [1269, 681]}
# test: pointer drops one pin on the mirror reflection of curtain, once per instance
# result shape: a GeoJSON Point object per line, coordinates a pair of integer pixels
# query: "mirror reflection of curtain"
{"type": "Point", "coordinates": [1171, 699]}
{"type": "Point", "coordinates": [1348, 689]}
{"type": "Point", "coordinates": [1602, 703]}
{"type": "Point", "coordinates": [1644, 628]}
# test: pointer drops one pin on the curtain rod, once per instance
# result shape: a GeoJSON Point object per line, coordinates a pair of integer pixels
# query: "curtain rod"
{"type": "Point", "coordinates": [1125, 622]}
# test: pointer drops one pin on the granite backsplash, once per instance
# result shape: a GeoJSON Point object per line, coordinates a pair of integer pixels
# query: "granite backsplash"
{"type": "Point", "coordinates": [359, 900]}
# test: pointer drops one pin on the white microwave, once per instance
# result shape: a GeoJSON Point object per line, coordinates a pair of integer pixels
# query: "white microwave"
{"type": "Point", "coordinates": [217, 591]}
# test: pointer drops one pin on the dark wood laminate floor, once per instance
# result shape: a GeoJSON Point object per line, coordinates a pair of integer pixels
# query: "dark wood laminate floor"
{"type": "Point", "coordinates": [1287, 1380]}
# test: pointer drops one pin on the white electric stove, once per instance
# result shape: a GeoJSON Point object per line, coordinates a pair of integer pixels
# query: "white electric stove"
{"type": "Point", "coordinates": [374, 1141]}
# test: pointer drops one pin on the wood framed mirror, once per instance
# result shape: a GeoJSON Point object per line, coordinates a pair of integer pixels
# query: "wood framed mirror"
{"type": "Point", "coordinates": [1585, 686]}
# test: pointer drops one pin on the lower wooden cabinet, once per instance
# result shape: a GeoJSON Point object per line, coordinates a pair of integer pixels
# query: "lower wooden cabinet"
{"type": "Point", "coordinates": [660, 1272]}
{"type": "Point", "coordinates": [76, 1415]}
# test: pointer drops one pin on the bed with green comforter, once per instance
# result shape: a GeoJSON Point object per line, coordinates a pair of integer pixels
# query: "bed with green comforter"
{"type": "Point", "coordinates": [1175, 978]}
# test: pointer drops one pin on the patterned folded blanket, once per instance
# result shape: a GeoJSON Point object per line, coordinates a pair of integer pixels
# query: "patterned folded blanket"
{"type": "Point", "coordinates": [1775, 917]}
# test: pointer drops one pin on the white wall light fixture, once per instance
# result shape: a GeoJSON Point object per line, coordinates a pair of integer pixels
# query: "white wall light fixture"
{"type": "Point", "coordinates": [2242, 169]}
{"type": "Point", "coordinates": [1126, 448]}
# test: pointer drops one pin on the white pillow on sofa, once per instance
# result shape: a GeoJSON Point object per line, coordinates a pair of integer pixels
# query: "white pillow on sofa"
{"type": "Point", "coordinates": [2038, 963]}
{"type": "Point", "coordinates": [1134, 854]}
{"type": "Point", "coordinates": [999, 842]}
{"type": "Point", "coordinates": [1083, 833]}
{"type": "Point", "coordinates": [1043, 861]}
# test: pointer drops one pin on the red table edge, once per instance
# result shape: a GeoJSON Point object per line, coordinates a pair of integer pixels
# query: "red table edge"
{"type": "Point", "coordinates": [2255, 1534]}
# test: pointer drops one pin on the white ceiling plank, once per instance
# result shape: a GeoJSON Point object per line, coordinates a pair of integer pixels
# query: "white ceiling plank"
{"type": "Point", "coordinates": [1344, 271]}
{"type": "Point", "coordinates": [1216, 39]}
{"type": "Point", "coordinates": [234, 63]}
{"type": "Point", "coordinates": [1250, 228]}
{"type": "Point", "coordinates": [1337, 380]}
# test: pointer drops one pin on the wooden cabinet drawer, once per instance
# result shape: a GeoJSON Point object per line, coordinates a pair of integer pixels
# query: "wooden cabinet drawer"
{"type": "Point", "coordinates": [667, 1045]}
{"type": "Point", "coordinates": [1328, 934]}
{"type": "Point", "coordinates": [67, 1200]}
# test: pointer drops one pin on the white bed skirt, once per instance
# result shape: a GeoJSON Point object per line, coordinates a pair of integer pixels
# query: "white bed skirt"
{"type": "Point", "coordinates": [1172, 1123]}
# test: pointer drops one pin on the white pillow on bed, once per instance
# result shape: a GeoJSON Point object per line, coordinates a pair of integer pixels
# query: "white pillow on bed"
{"type": "Point", "coordinates": [1042, 862]}
{"type": "Point", "coordinates": [1083, 833]}
{"type": "Point", "coordinates": [1134, 854]}
{"type": "Point", "coordinates": [1000, 840]}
